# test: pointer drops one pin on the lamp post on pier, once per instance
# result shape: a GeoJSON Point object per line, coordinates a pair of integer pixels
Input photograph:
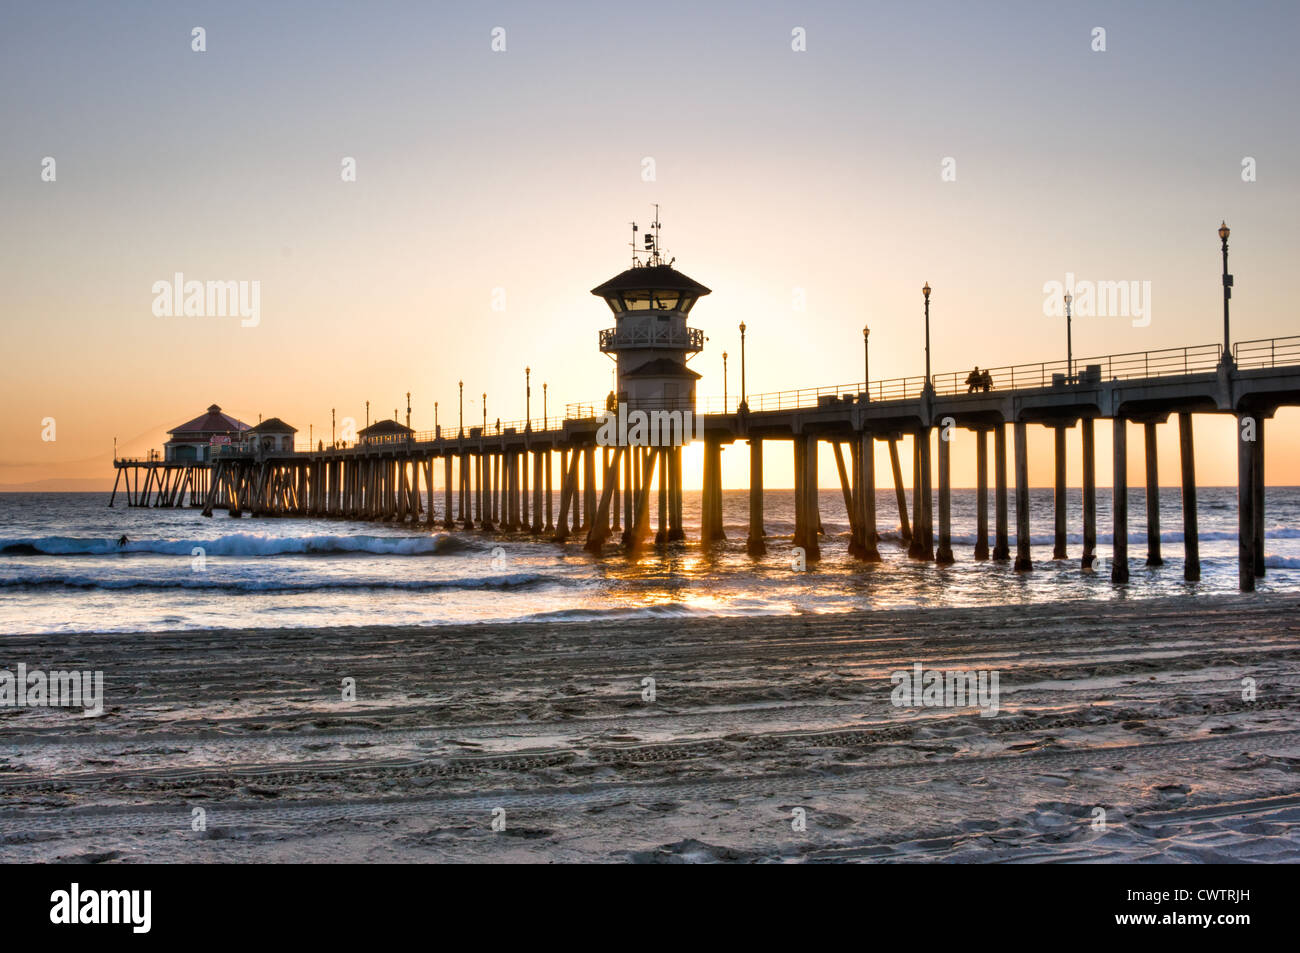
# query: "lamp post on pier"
{"type": "Point", "coordinates": [724, 382]}
{"type": "Point", "coordinates": [866, 360]}
{"type": "Point", "coordinates": [462, 409]}
{"type": "Point", "coordinates": [743, 402]}
{"type": "Point", "coordinates": [544, 386]}
{"type": "Point", "coordinates": [1069, 342]}
{"type": "Point", "coordinates": [333, 439]}
{"type": "Point", "coordinates": [926, 291]}
{"type": "Point", "coordinates": [1224, 232]}
{"type": "Point", "coordinates": [528, 400]}
{"type": "Point", "coordinates": [485, 430]}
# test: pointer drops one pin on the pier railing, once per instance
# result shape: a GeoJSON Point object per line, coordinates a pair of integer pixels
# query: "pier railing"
{"type": "Point", "coordinates": [1197, 359]}
{"type": "Point", "coordinates": [1164, 362]}
{"type": "Point", "coordinates": [897, 388]}
{"type": "Point", "coordinates": [495, 428]}
{"type": "Point", "coordinates": [1202, 358]}
{"type": "Point", "coordinates": [1267, 352]}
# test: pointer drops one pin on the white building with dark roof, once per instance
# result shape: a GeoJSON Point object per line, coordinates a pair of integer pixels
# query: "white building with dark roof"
{"type": "Point", "coordinates": [272, 434]}
{"type": "Point", "coordinates": [384, 432]}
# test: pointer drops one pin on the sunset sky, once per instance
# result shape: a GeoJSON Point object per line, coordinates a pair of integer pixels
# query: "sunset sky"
{"type": "Point", "coordinates": [781, 174]}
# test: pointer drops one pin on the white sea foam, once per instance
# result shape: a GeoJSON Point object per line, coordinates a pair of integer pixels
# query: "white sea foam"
{"type": "Point", "coordinates": [236, 544]}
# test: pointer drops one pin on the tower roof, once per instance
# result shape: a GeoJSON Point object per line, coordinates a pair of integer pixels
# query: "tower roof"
{"type": "Point", "coordinates": [648, 278]}
{"type": "Point", "coordinates": [662, 367]}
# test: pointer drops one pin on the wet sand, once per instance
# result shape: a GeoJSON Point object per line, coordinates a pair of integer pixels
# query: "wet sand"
{"type": "Point", "coordinates": [1134, 707]}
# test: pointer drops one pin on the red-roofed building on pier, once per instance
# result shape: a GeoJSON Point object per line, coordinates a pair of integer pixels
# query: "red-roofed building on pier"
{"type": "Point", "coordinates": [195, 439]}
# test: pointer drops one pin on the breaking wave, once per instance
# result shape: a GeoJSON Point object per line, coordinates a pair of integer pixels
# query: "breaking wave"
{"type": "Point", "coordinates": [239, 544]}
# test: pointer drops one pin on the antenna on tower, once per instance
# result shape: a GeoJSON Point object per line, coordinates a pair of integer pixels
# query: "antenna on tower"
{"type": "Point", "coordinates": [650, 243]}
{"type": "Point", "coordinates": [653, 244]}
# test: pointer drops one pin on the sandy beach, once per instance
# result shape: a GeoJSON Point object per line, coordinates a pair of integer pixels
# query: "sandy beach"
{"type": "Point", "coordinates": [1135, 708]}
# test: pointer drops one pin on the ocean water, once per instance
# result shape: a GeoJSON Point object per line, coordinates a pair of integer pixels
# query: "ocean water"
{"type": "Point", "coordinates": [62, 570]}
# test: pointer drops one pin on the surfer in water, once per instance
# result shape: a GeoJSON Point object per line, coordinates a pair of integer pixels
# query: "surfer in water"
{"type": "Point", "coordinates": [121, 543]}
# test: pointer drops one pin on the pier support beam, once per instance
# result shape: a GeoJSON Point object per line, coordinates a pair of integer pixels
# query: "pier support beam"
{"type": "Point", "coordinates": [800, 538]}
{"type": "Point", "coordinates": [711, 527]}
{"type": "Point", "coordinates": [981, 495]}
{"type": "Point", "coordinates": [944, 554]}
{"type": "Point", "coordinates": [589, 488]}
{"type": "Point", "coordinates": [1089, 493]}
{"type": "Point", "coordinates": [547, 466]}
{"type": "Point", "coordinates": [805, 490]}
{"type": "Point", "coordinates": [576, 502]}
{"type": "Point", "coordinates": [922, 528]}
{"type": "Point", "coordinates": [676, 527]}
{"type": "Point", "coordinates": [1058, 496]}
{"type": "Point", "coordinates": [1023, 561]}
{"type": "Point", "coordinates": [568, 493]}
{"type": "Point", "coordinates": [641, 526]}
{"type": "Point", "coordinates": [754, 543]}
{"type": "Point", "coordinates": [1257, 504]}
{"type": "Point", "coordinates": [522, 464]}
{"type": "Point", "coordinates": [1153, 495]}
{"type": "Point", "coordinates": [629, 493]}
{"type": "Point", "coordinates": [615, 506]}
{"type": "Point", "coordinates": [500, 488]}
{"type": "Point", "coordinates": [1119, 503]}
{"type": "Point", "coordinates": [538, 477]}
{"type": "Point", "coordinates": [866, 483]}
{"type": "Point", "coordinates": [1247, 437]}
{"type": "Point", "coordinates": [927, 495]}
{"type": "Point", "coordinates": [847, 492]}
{"type": "Point", "coordinates": [599, 531]}
{"type": "Point", "coordinates": [430, 518]}
{"type": "Point", "coordinates": [466, 492]}
{"type": "Point", "coordinates": [661, 537]}
{"type": "Point", "coordinates": [487, 507]}
{"type": "Point", "coordinates": [812, 507]}
{"type": "Point", "coordinates": [1001, 538]}
{"type": "Point", "coordinates": [1191, 534]}
{"type": "Point", "coordinates": [917, 545]}
{"type": "Point", "coordinates": [900, 494]}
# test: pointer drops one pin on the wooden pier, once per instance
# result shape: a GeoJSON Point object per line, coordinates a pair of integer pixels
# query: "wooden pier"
{"type": "Point", "coordinates": [501, 481]}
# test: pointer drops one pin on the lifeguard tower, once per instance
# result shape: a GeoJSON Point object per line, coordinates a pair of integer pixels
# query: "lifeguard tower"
{"type": "Point", "coordinates": [651, 342]}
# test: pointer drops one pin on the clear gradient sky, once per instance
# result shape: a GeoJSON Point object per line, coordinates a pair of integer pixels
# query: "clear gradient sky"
{"type": "Point", "coordinates": [776, 170]}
